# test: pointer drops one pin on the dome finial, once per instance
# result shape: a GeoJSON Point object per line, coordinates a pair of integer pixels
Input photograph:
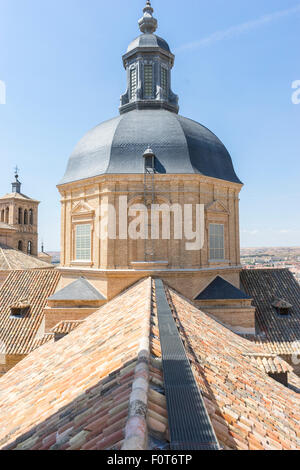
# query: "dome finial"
{"type": "Point", "coordinates": [148, 24]}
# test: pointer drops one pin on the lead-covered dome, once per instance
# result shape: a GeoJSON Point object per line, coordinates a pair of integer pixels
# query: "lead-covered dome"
{"type": "Point", "coordinates": [148, 40]}
{"type": "Point", "coordinates": [181, 146]}
{"type": "Point", "coordinates": [149, 117]}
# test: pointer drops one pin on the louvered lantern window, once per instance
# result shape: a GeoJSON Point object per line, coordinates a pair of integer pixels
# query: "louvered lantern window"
{"type": "Point", "coordinates": [133, 83]}
{"type": "Point", "coordinates": [148, 81]}
{"type": "Point", "coordinates": [164, 80]}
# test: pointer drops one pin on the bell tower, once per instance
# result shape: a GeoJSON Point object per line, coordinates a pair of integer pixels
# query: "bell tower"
{"type": "Point", "coordinates": [19, 220]}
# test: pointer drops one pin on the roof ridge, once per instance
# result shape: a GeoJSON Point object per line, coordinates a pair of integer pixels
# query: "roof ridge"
{"type": "Point", "coordinates": [136, 434]}
{"type": "Point", "coordinates": [4, 256]}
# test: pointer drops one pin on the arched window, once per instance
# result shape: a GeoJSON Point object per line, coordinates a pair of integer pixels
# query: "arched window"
{"type": "Point", "coordinates": [25, 217]}
{"type": "Point", "coordinates": [29, 248]}
{"type": "Point", "coordinates": [2, 215]}
{"type": "Point", "coordinates": [7, 215]}
{"type": "Point", "coordinates": [30, 217]}
{"type": "Point", "coordinates": [20, 218]}
{"type": "Point", "coordinates": [20, 245]}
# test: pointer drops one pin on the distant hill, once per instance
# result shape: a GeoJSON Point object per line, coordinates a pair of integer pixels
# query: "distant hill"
{"type": "Point", "coordinates": [55, 256]}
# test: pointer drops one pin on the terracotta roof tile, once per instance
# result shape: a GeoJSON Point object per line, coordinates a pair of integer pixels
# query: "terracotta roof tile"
{"type": "Point", "coordinates": [76, 393]}
{"type": "Point", "coordinates": [248, 409]}
{"type": "Point", "coordinates": [102, 386]}
{"type": "Point", "coordinates": [11, 259]}
{"type": "Point", "coordinates": [66, 326]}
{"type": "Point", "coordinates": [18, 334]}
{"type": "Point", "coordinates": [19, 196]}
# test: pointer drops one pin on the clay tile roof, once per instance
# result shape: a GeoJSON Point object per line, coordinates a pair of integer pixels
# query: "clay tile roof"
{"type": "Point", "coordinates": [11, 259]}
{"type": "Point", "coordinates": [219, 289]}
{"type": "Point", "coordinates": [248, 409]}
{"type": "Point", "coordinates": [18, 196]}
{"type": "Point", "coordinates": [102, 386]}
{"type": "Point", "coordinates": [269, 363]}
{"type": "Point", "coordinates": [76, 393]}
{"type": "Point", "coordinates": [65, 327]}
{"type": "Point", "coordinates": [81, 289]}
{"type": "Point", "coordinates": [279, 334]}
{"type": "Point", "coordinates": [17, 334]}
{"type": "Point", "coordinates": [37, 343]}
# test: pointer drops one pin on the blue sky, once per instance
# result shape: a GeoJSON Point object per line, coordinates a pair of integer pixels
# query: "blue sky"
{"type": "Point", "coordinates": [235, 64]}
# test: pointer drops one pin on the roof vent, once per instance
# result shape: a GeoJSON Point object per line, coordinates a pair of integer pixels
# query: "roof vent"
{"type": "Point", "coordinates": [282, 307]}
{"type": "Point", "coordinates": [20, 309]}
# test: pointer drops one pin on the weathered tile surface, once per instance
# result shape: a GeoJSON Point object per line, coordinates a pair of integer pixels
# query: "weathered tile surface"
{"type": "Point", "coordinates": [11, 259]}
{"type": "Point", "coordinates": [248, 409]}
{"type": "Point", "coordinates": [75, 394]}
{"type": "Point", "coordinates": [102, 386]}
{"type": "Point", "coordinates": [18, 334]}
{"type": "Point", "coordinates": [279, 334]}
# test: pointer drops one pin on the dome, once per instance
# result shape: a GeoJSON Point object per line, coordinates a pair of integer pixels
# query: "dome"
{"type": "Point", "coordinates": [181, 146]}
{"type": "Point", "coordinates": [148, 40]}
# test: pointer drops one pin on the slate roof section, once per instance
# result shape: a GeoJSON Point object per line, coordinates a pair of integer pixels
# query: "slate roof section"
{"type": "Point", "coordinates": [219, 289]}
{"type": "Point", "coordinates": [248, 409]}
{"type": "Point", "coordinates": [279, 334]}
{"type": "Point", "coordinates": [18, 334]}
{"type": "Point", "coordinates": [102, 387]}
{"type": "Point", "coordinates": [181, 146]}
{"type": "Point", "coordinates": [81, 289]}
{"type": "Point", "coordinates": [11, 259]}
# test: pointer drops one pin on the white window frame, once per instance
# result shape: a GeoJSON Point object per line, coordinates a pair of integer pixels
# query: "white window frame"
{"type": "Point", "coordinates": [216, 242]}
{"type": "Point", "coordinates": [84, 252]}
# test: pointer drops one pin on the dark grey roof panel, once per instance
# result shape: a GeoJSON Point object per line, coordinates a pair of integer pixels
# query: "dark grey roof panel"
{"type": "Point", "coordinates": [160, 129]}
{"type": "Point", "coordinates": [148, 40]}
{"type": "Point", "coordinates": [219, 289]}
{"type": "Point", "coordinates": [80, 289]}
{"type": "Point", "coordinates": [182, 146]}
{"type": "Point", "coordinates": [92, 154]}
{"type": "Point", "coordinates": [207, 153]}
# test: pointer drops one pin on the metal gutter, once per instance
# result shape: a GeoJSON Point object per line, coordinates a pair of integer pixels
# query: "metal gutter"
{"type": "Point", "coordinates": [189, 423]}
